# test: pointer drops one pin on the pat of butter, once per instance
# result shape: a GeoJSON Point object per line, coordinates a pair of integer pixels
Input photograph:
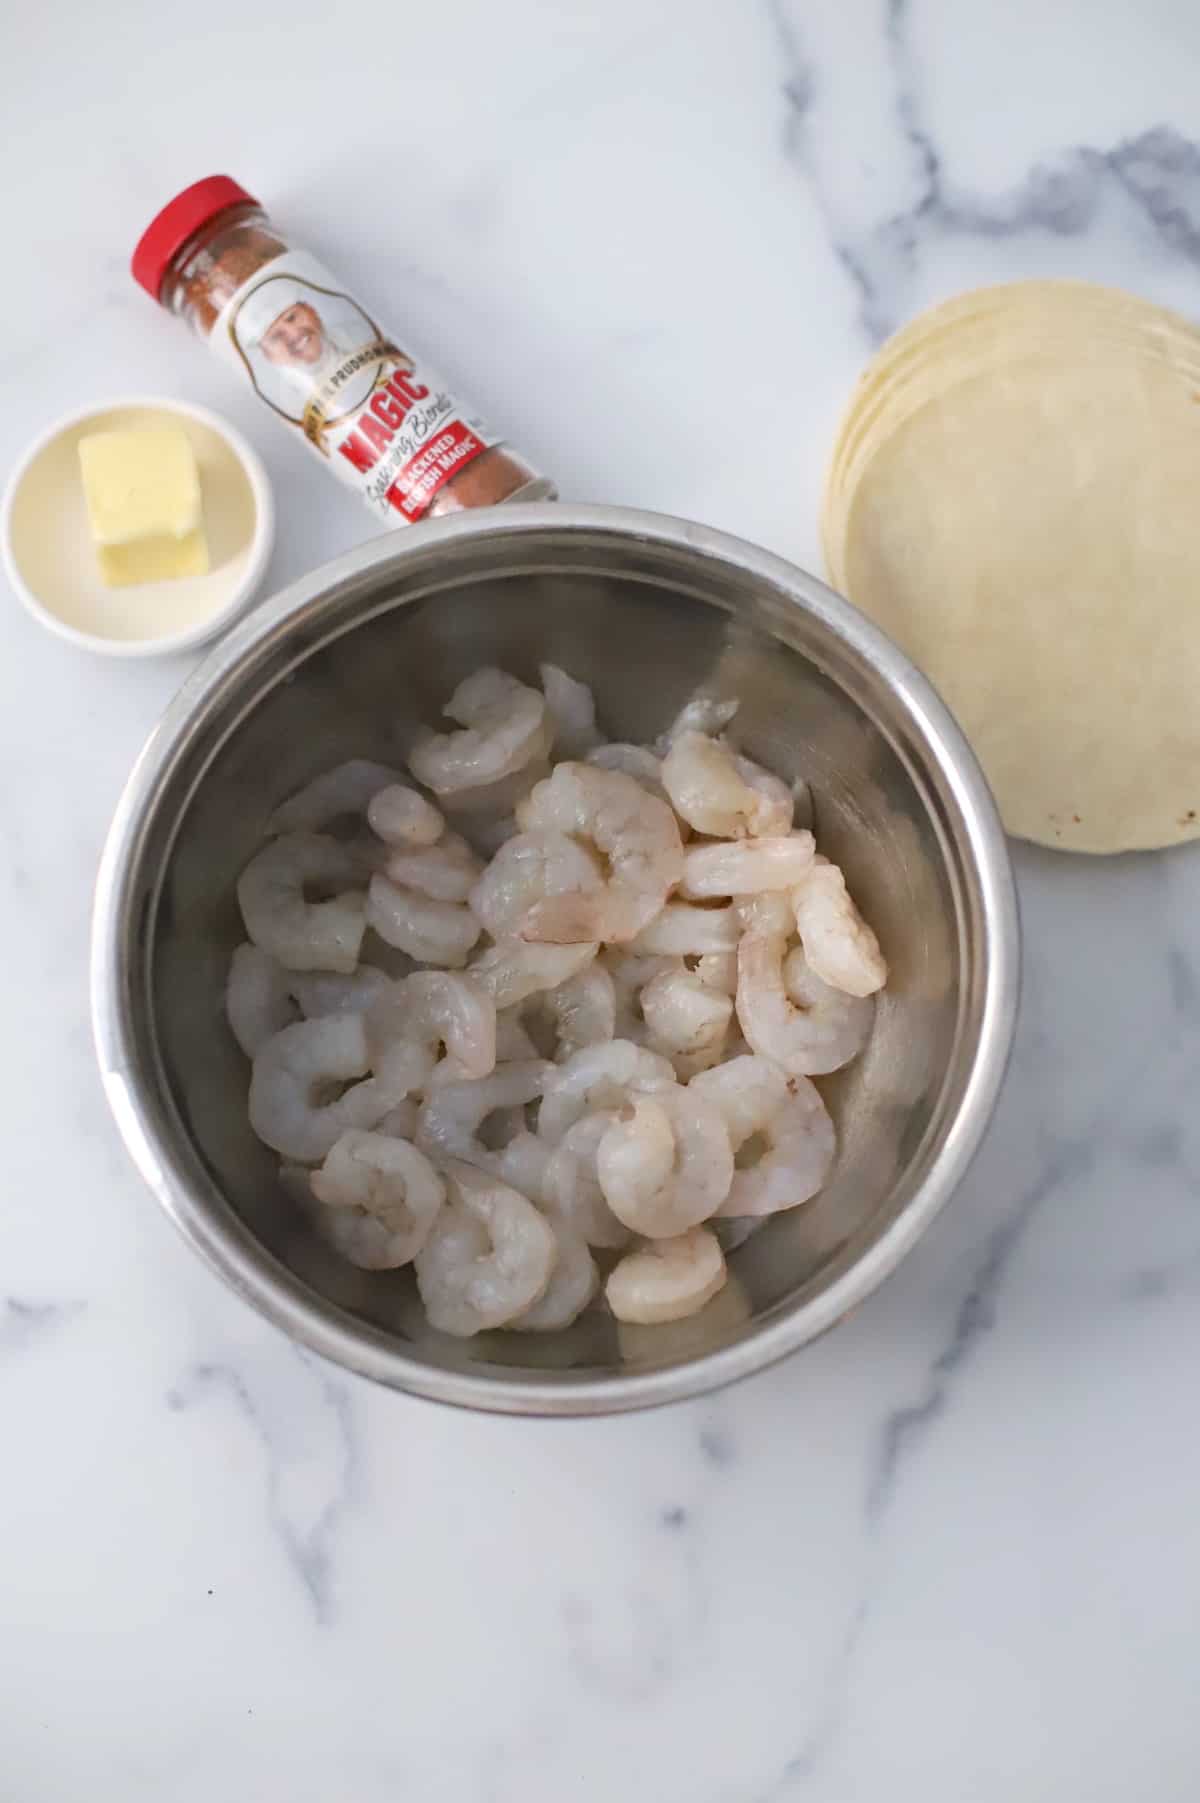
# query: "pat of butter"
{"type": "Point", "coordinates": [142, 490]}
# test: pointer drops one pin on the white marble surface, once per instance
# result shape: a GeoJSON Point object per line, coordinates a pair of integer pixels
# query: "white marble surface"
{"type": "Point", "coordinates": [952, 1552]}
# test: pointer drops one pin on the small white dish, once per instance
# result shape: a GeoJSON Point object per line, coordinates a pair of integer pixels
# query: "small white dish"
{"type": "Point", "coordinates": [51, 561]}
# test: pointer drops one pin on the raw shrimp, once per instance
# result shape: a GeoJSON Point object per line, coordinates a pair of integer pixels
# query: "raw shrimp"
{"type": "Point", "coordinates": [776, 800]}
{"type": "Point", "coordinates": [630, 973]}
{"type": "Point", "coordinates": [568, 1187]}
{"type": "Point", "coordinates": [770, 912]}
{"type": "Point", "coordinates": [601, 1076]}
{"type": "Point", "coordinates": [488, 1258]}
{"type": "Point", "coordinates": [710, 786]}
{"type": "Point", "coordinates": [382, 1197]}
{"type": "Point", "coordinates": [512, 971]}
{"type": "Point", "coordinates": [667, 1279]}
{"type": "Point", "coordinates": [526, 870]}
{"type": "Point", "coordinates": [446, 871]}
{"type": "Point", "coordinates": [432, 932]}
{"type": "Point", "coordinates": [258, 998]}
{"type": "Point", "coordinates": [403, 818]}
{"type": "Point", "coordinates": [401, 1121]}
{"type": "Point", "coordinates": [454, 1113]}
{"type": "Point", "coordinates": [346, 790]}
{"type": "Point", "coordinates": [523, 1164]}
{"type": "Point", "coordinates": [295, 1107]}
{"type": "Point", "coordinates": [321, 992]}
{"type": "Point", "coordinates": [845, 1018]}
{"type": "Point", "coordinates": [756, 1098]}
{"type": "Point", "coordinates": [573, 1282]}
{"type": "Point", "coordinates": [637, 761]}
{"type": "Point", "coordinates": [704, 714]}
{"type": "Point", "coordinates": [636, 834]}
{"type": "Point", "coordinates": [486, 814]}
{"type": "Point", "coordinates": [298, 933]}
{"type": "Point", "coordinates": [261, 997]}
{"type": "Point", "coordinates": [809, 1030]}
{"type": "Point", "coordinates": [685, 930]}
{"type": "Point", "coordinates": [685, 1018]}
{"type": "Point", "coordinates": [583, 1011]}
{"type": "Point", "coordinates": [838, 943]}
{"type": "Point", "coordinates": [666, 1163]}
{"type": "Point", "coordinates": [505, 725]}
{"type": "Point", "coordinates": [718, 970]}
{"type": "Point", "coordinates": [407, 1027]}
{"type": "Point", "coordinates": [747, 867]}
{"type": "Point", "coordinates": [572, 710]}
{"type": "Point", "coordinates": [512, 1039]}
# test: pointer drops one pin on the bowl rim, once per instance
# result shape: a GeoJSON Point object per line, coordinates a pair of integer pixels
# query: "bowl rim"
{"type": "Point", "coordinates": [262, 541]}
{"type": "Point", "coordinates": [224, 1241]}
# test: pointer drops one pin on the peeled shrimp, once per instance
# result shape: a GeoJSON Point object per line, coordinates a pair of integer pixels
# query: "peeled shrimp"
{"type": "Point", "coordinates": [684, 930]}
{"type": "Point", "coordinates": [568, 1187]}
{"type": "Point", "coordinates": [666, 1163]}
{"type": "Point", "coordinates": [511, 971]}
{"type": "Point", "coordinates": [258, 998]}
{"type": "Point", "coordinates": [808, 1032]}
{"type": "Point", "coordinates": [346, 790]}
{"type": "Point", "coordinates": [667, 1279]}
{"type": "Point", "coordinates": [321, 992]}
{"type": "Point", "coordinates": [486, 814]}
{"type": "Point", "coordinates": [844, 1019]}
{"type": "Point", "coordinates": [685, 1018]}
{"type": "Point", "coordinates": [408, 1026]}
{"type": "Point", "coordinates": [637, 761]}
{"type": "Point", "coordinates": [382, 1196]}
{"type": "Point", "coordinates": [504, 724]}
{"type": "Point", "coordinates": [709, 786]}
{"type": "Point", "coordinates": [512, 1039]}
{"type": "Point", "coordinates": [770, 912]}
{"type": "Point", "coordinates": [748, 866]}
{"type": "Point", "coordinates": [295, 1073]}
{"type": "Point", "coordinates": [583, 1010]}
{"type": "Point", "coordinates": [838, 943]}
{"type": "Point", "coordinates": [572, 710]}
{"type": "Point", "coordinates": [454, 1113]}
{"type": "Point", "coordinates": [446, 871]}
{"type": "Point", "coordinates": [574, 1280]}
{"type": "Point", "coordinates": [630, 973]}
{"type": "Point", "coordinates": [718, 970]}
{"type": "Point", "coordinates": [704, 714]}
{"type": "Point", "coordinates": [401, 1121]}
{"type": "Point", "coordinates": [298, 933]}
{"type": "Point", "coordinates": [776, 808]}
{"type": "Point", "coordinates": [636, 834]}
{"type": "Point", "coordinates": [523, 1164]}
{"type": "Point", "coordinates": [403, 818]}
{"type": "Point", "coordinates": [261, 997]}
{"type": "Point", "coordinates": [601, 1076]}
{"type": "Point", "coordinates": [432, 932]}
{"type": "Point", "coordinates": [755, 1097]}
{"type": "Point", "coordinates": [488, 1258]}
{"type": "Point", "coordinates": [526, 870]}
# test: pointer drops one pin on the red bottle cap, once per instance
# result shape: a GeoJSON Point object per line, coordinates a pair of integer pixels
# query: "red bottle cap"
{"type": "Point", "coordinates": [181, 219]}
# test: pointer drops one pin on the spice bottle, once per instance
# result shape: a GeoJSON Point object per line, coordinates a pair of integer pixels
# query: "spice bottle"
{"type": "Point", "coordinates": [379, 416]}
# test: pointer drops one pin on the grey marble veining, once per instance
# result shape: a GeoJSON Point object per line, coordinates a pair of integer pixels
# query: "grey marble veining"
{"type": "Point", "coordinates": [881, 229]}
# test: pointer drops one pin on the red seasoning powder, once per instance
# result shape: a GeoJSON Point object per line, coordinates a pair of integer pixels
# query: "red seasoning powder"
{"type": "Point", "coordinates": [379, 416]}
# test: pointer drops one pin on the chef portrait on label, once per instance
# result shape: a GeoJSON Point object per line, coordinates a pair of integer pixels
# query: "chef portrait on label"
{"type": "Point", "coordinates": [295, 339]}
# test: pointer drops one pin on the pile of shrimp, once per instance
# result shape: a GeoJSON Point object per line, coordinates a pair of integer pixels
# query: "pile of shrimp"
{"type": "Point", "coordinates": [516, 1022]}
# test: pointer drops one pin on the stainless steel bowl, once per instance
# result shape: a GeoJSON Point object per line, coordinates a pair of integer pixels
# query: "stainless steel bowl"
{"type": "Point", "coordinates": [647, 610]}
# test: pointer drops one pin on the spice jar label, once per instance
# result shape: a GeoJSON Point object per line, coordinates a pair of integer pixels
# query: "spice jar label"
{"type": "Point", "coordinates": [386, 424]}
